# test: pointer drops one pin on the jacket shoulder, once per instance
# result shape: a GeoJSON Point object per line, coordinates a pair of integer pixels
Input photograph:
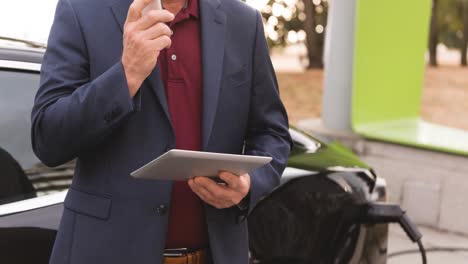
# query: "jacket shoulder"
{"type": "Point", "coordinates": [88, 5]}
{"type": "Point", "coordinates": [241, 17]}
{"type": "Point", "coordinates": [239, 9]}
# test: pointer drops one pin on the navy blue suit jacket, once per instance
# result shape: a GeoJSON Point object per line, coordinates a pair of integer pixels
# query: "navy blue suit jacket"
{"type": "Point", "coordinates": [83, 110]}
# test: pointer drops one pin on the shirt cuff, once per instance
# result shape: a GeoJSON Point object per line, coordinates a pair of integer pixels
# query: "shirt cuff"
{"type": "Point", "coordinates": [243, 208]}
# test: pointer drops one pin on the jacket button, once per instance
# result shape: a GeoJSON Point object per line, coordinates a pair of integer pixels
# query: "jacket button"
{"type": "Point", "coordinates": [161, 209]}
{"type": "Point", "coordinates": [107, 119]}
{"type": "Point", "coordinates": [116, 112]}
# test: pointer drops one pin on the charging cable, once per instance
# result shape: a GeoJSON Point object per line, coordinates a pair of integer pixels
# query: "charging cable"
{"type": "Point", "coordinates": [382, 213]}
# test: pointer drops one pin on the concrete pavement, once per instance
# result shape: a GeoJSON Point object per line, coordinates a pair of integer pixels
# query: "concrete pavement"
{"type": "Point", "coordinates": [431, 238]}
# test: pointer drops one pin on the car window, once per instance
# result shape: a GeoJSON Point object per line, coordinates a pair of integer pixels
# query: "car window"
{"type": "Point", "coordinates": [17, 90]}
{"type": "Point", "coordinates": [22, 175]}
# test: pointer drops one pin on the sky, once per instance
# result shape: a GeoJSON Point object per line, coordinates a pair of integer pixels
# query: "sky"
{"type": "Point", "coordinates": [259, 4]}
{"type": "Point", "coordinates": [27, 19]}
{"type": "Point", "coordinates": [32, 19]}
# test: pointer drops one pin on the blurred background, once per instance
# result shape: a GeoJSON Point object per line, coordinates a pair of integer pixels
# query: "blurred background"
{"type": "Point", "coordinates": [296, 32]}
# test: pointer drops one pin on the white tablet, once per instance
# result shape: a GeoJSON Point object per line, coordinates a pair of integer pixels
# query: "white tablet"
{"type": "Point", "coordinates": [182, 164]}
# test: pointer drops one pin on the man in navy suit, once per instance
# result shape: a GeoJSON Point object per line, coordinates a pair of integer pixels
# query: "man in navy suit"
{"type": "Point", "coordinates": [120, 87]}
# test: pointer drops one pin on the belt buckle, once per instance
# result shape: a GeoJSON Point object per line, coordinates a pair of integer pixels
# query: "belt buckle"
{"type": "Point", "coordinates": [176, 252]}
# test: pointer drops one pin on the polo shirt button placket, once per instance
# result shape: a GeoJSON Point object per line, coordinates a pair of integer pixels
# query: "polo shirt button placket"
{"type": "Point", "coordinates": [161, 209]}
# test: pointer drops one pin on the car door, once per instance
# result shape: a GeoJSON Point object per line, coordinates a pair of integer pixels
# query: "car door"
{"type": "Point", "coordinates": [31, 194]}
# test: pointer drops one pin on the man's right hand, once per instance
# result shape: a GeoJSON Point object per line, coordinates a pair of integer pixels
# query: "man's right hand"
{"type": "Point", "coordinates": [143, 39]}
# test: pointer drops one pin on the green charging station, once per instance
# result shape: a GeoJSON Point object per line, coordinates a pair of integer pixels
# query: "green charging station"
{"type": "Point", "coordinates": [382, 81]}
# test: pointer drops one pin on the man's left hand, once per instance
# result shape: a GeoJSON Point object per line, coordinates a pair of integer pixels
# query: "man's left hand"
{"type": "Point", "coordinates": [221, 196]}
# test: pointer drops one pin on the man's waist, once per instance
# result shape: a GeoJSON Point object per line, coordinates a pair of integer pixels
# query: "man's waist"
{"type": "Point", "coordinates": [185, 256]}
{"type": "Point", "coordinates": [187, 225]}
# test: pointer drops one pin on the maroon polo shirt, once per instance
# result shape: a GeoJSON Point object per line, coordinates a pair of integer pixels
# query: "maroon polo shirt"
{"type": "Point", "coordinates": [181, 71]}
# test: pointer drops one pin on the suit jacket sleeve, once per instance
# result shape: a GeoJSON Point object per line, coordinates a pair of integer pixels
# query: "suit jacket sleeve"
{"type": "Point", "coordinates": [71, 112]}
{"type": "Point", "coordinates": [267, 133]}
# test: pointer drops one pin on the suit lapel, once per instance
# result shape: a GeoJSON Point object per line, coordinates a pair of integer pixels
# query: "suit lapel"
{"type": "Point", "coordinates": [157, 85]}
{"type": "Point", "coordinates": [154, 80]}
{"type": "Point", "coordinates": [120, 10]}
{"type": "Point", "coordinates": [213, 21]}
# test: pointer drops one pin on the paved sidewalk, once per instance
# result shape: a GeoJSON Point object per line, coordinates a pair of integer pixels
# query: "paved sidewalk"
{"type": "Point", "coordinates": [431, 238]}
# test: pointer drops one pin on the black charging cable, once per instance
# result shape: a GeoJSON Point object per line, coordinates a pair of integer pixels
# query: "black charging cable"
{"type": "Point", "coordinates": [431, 249]}
{"type": "Point", "coordinates": [382, 213]}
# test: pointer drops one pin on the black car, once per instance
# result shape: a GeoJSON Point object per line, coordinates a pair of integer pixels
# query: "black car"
{"type": "Point", "coordinates": [307, 217]}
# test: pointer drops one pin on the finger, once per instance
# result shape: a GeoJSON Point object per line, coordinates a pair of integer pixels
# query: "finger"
{"type": "Point", "coordinates": [157, 31]}
{"type": "Point", "coordinates": [208, 183]}
{"type": "Point", "coordinates": [193, 185]}
{"type": "Point", "coordinates": [153, 17]}
{"type": "Point", "coordinates": [224, 205]}
{"type": "Point", "coordinates": [200, 182]}
{"type": "Point", "coordinates": [203, 193]}
{"type": "Point", "coordinates": [161, 42]}
{"type": "Point", "coordinates": [190, 182]}
{"type": "Point", "coordinates": [223, 196]}
{"type": "Point", "coordinates": [206, 196]}
{"type": "Point", "coordinates": [245, 182]}
{"type": "Point", "coordinates": [134, 12]}
{"type": "Point", "coordinates": [218, 191]}
{"type": "Point", "coordinates": [231, 179]}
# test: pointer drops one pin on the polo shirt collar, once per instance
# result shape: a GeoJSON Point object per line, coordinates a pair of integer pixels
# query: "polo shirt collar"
{"type": "Point", "coordinates": [192, 8]}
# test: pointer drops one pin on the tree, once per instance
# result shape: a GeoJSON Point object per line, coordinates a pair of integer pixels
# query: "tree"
{"type": "Point", "coordinates": [314, 26]}
{"type": "Point", "coordinates": [452, 26]}
{"type": "Point", "coordinates": [465, 33]}
{"type": "Point", "coordinates": [433, 35]}
{"type": "Point", "coordinates": [298, 21]}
